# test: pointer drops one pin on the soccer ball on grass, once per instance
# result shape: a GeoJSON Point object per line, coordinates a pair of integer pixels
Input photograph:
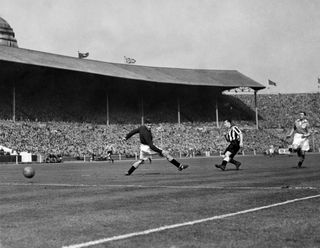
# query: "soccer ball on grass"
{"type": "Point", "coordinates": [28, 172]}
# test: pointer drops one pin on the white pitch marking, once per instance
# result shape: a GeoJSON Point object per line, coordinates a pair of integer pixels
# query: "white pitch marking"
{"type": "Point", "coordinates": [162, 228]}
{"type": "Point", "coordinates": [159, 186]}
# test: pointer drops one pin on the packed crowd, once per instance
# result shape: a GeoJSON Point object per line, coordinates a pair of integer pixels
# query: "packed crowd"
{"type": "Point", "coordinates": [280, 110]}
{"type": "Point", "coordinates": [77, 139]}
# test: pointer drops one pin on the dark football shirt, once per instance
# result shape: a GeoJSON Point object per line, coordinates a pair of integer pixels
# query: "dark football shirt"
{"type": "Point", "coordinates": [145, 137]}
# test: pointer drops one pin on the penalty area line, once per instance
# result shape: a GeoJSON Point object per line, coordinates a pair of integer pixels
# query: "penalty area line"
{"type": "Point", "coordinates": [189, 223]}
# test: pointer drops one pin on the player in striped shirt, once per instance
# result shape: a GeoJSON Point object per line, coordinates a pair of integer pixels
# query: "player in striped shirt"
{"type": "Point", "coordinates": [301, 137]}
{"type": "Point", "coordinates": [235, 138]}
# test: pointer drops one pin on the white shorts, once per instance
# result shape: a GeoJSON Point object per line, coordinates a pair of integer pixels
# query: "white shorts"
{"type": "Point", "coordinates": [146, 152]}
{"type": "Point", "coordinates": [300, 142]}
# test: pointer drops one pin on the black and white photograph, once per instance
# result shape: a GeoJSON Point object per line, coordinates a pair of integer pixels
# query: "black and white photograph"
{"type": "Point", "coordinates": [159, 123]}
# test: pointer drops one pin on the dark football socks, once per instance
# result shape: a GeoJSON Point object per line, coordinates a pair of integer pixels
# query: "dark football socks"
{"type": "Point", "coordinates": [232, 161]}
{"type": "Point", "coordinates": [301, 160]}
{"type": "Point", "coordinates": [301, 156]}
{"type": "Point", "coordinates": [131, 170]}
{"type": "Point", "coordinates": [175, 163]}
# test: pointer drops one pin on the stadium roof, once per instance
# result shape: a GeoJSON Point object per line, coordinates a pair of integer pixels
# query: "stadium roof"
{"type": "Point", "coordinates": [225, 79]}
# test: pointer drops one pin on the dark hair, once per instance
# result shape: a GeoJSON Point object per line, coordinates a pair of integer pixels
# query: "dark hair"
{"type": "Point", "coordinates": [303, 113]}
{"type": "Point", "coordinates": [147, 121]}
{"type": "Point", "coordinates": [228, 120]}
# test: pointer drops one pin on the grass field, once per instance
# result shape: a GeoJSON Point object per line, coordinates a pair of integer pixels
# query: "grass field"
{"type": "Point", "coordinates": [267, 203]}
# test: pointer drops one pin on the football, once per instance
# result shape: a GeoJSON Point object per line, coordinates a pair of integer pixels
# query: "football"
{"type": "Point", "coordinates": [28, 172]}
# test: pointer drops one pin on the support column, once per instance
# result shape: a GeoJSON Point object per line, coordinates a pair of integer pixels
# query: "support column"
{"type": "Point", "coordinates": [14, 103]}
{"type": "Point", "coordinates": [217, 112]}
{"type": "Point", "coordinates": [108, 115]}
{"type": "Point", "coordinates": [256, 109]}
{"type": "Point", "coordinates": [178, 107]}
{"type": "Point", "coordinates": [142, 111]}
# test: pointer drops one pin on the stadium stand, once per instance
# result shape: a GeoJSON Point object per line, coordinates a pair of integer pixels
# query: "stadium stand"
{"type": "Point", "coordinates": [75, 139]}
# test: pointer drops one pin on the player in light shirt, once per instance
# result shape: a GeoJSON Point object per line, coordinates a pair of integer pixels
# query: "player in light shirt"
{"type": "Point", "coordinates": [301, 137]}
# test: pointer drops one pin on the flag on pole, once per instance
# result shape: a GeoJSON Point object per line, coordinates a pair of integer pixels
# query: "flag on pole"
{"type": "Point", "coordinates": [272, 83]}
{"type": "Point", "coordinates": [82, 55]}
{"type": "Point", "coordinates": [129, 60]}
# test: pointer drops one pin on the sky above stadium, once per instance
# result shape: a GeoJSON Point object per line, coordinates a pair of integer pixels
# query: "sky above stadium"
{"type": "Point", "coordinates": [263, 39]}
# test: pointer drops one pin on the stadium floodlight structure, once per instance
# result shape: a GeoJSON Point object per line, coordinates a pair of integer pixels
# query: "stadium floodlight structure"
{"type": "Point", "coordinates": [15, 63]}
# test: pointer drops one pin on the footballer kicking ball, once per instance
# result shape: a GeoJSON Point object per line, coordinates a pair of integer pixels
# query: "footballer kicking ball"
{"type": "Point", "coordinates": [28, 172]}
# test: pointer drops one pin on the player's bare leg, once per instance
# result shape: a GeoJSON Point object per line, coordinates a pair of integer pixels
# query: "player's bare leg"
{"type": "Point", "coordinates": [134, 167]}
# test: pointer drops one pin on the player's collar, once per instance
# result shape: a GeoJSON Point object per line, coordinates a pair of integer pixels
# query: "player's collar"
{"type": "Point", "coordinates": [302, 120]}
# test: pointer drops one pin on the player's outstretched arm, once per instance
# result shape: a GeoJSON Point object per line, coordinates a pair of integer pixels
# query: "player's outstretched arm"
{"type": "Point", "coordinates": [130, 134]}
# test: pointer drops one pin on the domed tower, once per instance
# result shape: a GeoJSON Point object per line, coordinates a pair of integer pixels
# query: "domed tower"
{"type": "Point", "coordinates": [7, 34]}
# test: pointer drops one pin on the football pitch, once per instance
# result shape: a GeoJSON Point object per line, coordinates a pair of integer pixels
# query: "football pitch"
{"type": "Point", "coordinates": [267, 203]}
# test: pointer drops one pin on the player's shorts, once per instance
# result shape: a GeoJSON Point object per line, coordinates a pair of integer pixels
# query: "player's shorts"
{"type": "Point", "coordinates": [300, 142]}
{"type": "Point", "coordinates": [233, 148]}
{"type": "Point", "coordinates": [146, 152]}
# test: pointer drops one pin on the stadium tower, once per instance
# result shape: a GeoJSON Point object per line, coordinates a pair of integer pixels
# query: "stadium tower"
{"type": "Point", "coordinates": [7, 35]}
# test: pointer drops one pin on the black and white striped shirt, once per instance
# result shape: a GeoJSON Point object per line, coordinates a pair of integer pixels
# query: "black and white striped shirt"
{"type": "Point", "coordinates": [233, 134]}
